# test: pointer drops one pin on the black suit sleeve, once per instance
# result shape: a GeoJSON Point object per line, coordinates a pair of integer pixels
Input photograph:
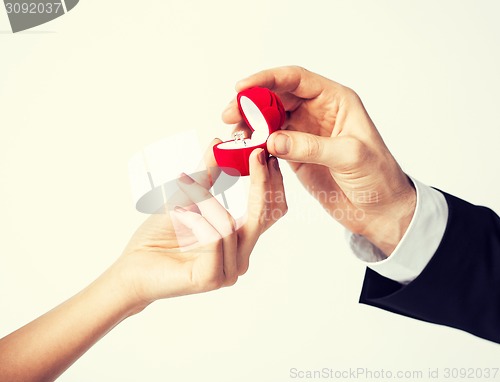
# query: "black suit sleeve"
{"type": "Point", "coordinates": [460, 287]}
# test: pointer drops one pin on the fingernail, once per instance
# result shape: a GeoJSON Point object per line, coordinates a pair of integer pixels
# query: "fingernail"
{"type": "Point", "coordinates": [282, 144]}
{"type": "Point", "coordinates": [179, 209]}
{"type": "Point", "coordinates": [275, 163]}
{"type": "Point", "coordinates": [186, 179]}
{"type": "Point", "coordinates": [262, 157]}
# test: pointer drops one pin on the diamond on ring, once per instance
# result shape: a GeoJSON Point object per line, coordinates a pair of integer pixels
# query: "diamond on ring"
{"type": "Point", "coordinates": [239, 137]}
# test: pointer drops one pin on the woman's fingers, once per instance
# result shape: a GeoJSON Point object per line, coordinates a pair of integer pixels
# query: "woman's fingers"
{"type": "Point", "coordinates": [208, 177]}
{"type": "Point", "coordinates": [203, 231]}
{"type": "Point", "coordinates": [207, 270]}
{"type": "Point", "coordinates": [252, 227]}
{"type": "Point", "coordinates": [218, 217]}
{"type": "Point", "coordinates": [266, 205]}
{"type": "Point", "coordinates": [267, 201]}
{"type": "Point", "coordinates": [279, 205]}
{"type": "Point", "coordinates": [259, 189]}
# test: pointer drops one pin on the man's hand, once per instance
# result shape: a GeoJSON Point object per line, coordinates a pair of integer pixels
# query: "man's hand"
{"type": "Point", "coordinates": [337, 153]}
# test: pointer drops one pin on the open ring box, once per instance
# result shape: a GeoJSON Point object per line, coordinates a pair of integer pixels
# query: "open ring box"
{"type": "Point", "coordinates": [264, 114]}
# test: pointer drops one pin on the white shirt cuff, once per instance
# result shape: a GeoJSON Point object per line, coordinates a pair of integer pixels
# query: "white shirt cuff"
{"type": "Point", "coordinates": [418, 244]}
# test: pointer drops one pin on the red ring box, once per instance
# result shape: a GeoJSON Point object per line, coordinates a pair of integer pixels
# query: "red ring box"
{"type": "Point", "coordinates": [264, 114]}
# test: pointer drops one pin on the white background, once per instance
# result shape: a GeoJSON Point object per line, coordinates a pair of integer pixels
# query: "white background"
{"type": "Point", "coordinates": [80, 95]}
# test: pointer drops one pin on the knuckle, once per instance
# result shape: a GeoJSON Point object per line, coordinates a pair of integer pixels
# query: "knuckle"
{"type": "Point", "coordinates": [278, 213]}
{"type": "Point", "coordinates": [358, 151]}
{"type": "Point", "coordinates": [229, 226]}
{"type": "Point", "coordinates": [298, 68]}
{"type": "Point", "coordinates": [265, 182]}
{"type": "Point", "coordinates": [284, 210]}
{"type": "Point", "coordinates": [351, 96]}
{"type": "Point", "coordinates": [233, 224]}
{"type": "Point", "coordinates": [216, 281]}
{"type": "Point", "coordinates": [312, 148]}
{"type": "Point", "coordinates": [243, 267]}
{"type": "Point", "coordinates": [231, 280]}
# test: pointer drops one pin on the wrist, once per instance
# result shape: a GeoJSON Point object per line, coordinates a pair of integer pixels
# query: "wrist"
{"type": "Point", "coordinates": [387, 227]}
{"type": "Point", "coordinates": [117, 282]}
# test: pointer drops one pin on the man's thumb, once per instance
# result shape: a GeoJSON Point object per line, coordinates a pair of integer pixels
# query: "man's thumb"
{"type": "Point", "coordinates": [301, 147]}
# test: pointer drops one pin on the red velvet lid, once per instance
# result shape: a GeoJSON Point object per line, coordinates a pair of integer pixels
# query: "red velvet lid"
{"type": "Point", "coordinates": [268, 104]}
{"type": "Point", "coordinates": [264, 114]}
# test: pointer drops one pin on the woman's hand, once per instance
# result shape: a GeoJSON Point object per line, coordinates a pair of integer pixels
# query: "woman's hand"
{"type": "Point", "coordinates": [337, 153]}
{"type": "Point", "coordinates": [151, 267]}
{"type": "Point", "coordinates": [214, 251]}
